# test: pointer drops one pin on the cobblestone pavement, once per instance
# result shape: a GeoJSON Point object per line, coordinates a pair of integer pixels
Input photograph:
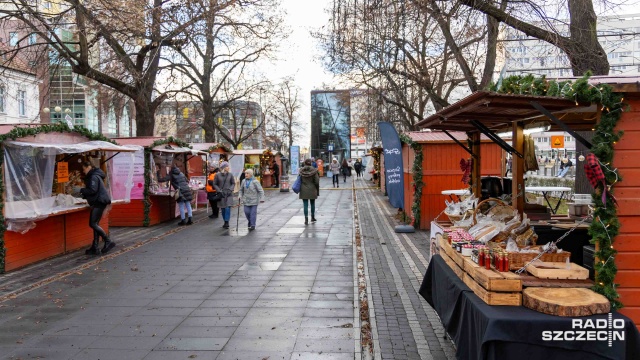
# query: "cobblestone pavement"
{"type": "Point", "coordinates": [283, 291]}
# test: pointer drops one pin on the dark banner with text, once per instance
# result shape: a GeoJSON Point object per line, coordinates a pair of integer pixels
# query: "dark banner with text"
{"type": "Point", "coordinates": [393, 171]}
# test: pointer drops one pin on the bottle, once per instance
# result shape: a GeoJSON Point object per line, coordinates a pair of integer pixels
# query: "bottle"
{"type": "Point", "coordinates": [506, 262]}
{"type": "Point", "coordinates": [499, 262]}
{"type": "Point", "coordinates": [487, 260]}
{"type": "Point", "coordinates": [481, 257]}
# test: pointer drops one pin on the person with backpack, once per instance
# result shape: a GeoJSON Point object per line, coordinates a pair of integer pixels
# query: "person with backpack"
{"type": "Point", "coordinates": [357, 166]}
{"type": "Point", "coordinates": [225, 183]}
{"type": "Point", "coordinates": [212, 194]}
{"type": "Point", "coordinates": [309, 189]}
{"type": "Point", "coordinates": [251, 194]}
{"type": "Point", "coordinates": [98, 198]}
{"type": "Point", "coordinates": [180, 184]}
{"type": "Point", "coordinates": [344, 168]}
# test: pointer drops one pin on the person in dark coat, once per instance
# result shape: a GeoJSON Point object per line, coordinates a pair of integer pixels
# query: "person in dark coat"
{"type": "Point", "coordinates": [98, 199]}
{"type": "Point", "coordinates": [344, 168]}
{"type": "Point", "coordinates": [276, 174]}
{"type": "Point", "coordinates": [225, 183]}
{"type": "Point", "coordinates": [357, 166]}
{"type": "Point", "coordinates": [211, 194]}
{"type": "Point", "coordinates": [179, 183]}
{"type": "Point", "coordinates": [309, 189]}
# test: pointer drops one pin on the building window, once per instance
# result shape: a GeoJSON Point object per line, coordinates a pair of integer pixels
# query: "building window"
{"type": "Point", "coordinates": [2, 99]}
{"type": "Point", "coordinates": [13, 38]}
{"type": "Point", "coordinates": [22, 98]}
{"type": "Point", "coordinates": [567, 138]}
{"type": "Point", "coordinates": [47, 4]}
{"type": "Point", "coordinates": [32, 38]}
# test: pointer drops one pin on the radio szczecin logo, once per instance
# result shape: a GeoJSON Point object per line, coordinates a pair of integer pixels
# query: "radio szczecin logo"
{"type": "Point", "coordinates": [589, 330]}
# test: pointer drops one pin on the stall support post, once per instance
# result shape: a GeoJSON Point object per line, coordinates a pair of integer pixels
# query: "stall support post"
{"type": "Point", "coordinates": [476, 182]}
{"type": "Point", "coordinates": [517, 168]}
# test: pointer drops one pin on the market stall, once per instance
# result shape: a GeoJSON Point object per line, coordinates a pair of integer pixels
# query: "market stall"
{"type": "Point", "coordinates": [259, 160]}
{"type": "Point", "coordinates": [152, 201]}
{"type": "Point", "coordinates": [43, 211]}
{"type": "Point", "coordinates": [199, 165]}
{"type": "Point", "coordinates": [493, 246]}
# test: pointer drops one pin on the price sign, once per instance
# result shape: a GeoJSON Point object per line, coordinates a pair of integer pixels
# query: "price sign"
{"type": "Point", "coordinates": [63, 172]}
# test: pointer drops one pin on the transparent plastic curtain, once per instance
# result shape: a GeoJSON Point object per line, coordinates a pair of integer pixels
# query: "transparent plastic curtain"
{"type": "Point", "coordinates": [28, 174]}
{"type": "Point", "coordinates": [120, 174]}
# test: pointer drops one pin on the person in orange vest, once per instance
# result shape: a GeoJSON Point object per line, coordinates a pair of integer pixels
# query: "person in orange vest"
{"type": "Point", "coordinates": [212, 195]}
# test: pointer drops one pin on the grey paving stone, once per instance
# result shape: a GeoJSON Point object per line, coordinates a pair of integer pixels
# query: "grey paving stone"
{"type": "Point", "coordinates": [109, 354]}
{"type": "Point", "coordinates": [192, 344]}
{"type": "Point", "coordinates": [185, 331]}
{"type": "Point", "coordinates": [186, 355]}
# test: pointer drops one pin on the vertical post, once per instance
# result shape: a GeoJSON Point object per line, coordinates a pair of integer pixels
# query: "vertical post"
{"type": "Point", "coordinates": [476, 182]}
{"type": "Point", "coordinates": [517, 168]}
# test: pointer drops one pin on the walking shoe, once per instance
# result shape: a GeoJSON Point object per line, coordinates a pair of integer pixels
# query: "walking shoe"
{"type": "Point", "coordinates": [252, 227]}
{"type": "Point", "coordinates": [108, 245]}
{"type": "Point", "coordinates": [189, 222]}
{"type": "Point", "coordinates": [212, 216]}
{"type": "Point", "coordinates": [182, 223]}
{"type": "Point", "coordinates": [313, 219]}
{"type": "Point", "coordinates": [92, 251]}
{"type": "Point", "coordinates": [306, 220]}
{"type": "Point", "coordinates": [226, 225]}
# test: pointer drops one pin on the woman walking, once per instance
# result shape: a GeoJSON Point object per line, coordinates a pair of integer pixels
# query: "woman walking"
{"type": "Point", "coordinates": [345, 169]}
{"type": "Point", "coordinates": [310, 189]}
{"type": "Point", "coordinates": [357, 166]}
{"type": "Point", "coordinates": [225, 183]}
{"type": "Point", "coordinates": [251, 193]}
{"type": "Point", "coordinates": [179, 183]}
{"type": "Point", "coordinates": [98, 199]}
{"type": "Point", "coordinates": [335, 170]}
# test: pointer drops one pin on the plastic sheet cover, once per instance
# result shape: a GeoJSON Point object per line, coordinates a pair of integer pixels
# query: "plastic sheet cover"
{"type": "Point", "coordinates": [29, 173]}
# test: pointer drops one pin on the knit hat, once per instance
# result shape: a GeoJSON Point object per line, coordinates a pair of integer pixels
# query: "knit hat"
{"type": "Point", "coordinates": [223, 165]}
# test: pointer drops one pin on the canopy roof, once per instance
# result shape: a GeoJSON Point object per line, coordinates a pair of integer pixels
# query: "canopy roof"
{"type": "Point", "coordinates": [77, 147]}
{"type": "Point", "coordinates": [497, 112]}
{"type": "Point", "coordinates": [168, 148]}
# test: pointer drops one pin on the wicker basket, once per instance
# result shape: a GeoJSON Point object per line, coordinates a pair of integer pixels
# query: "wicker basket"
{"type": "Point", "coordinates": [518, 260]}
{"type": "Point", "coordinates": [501, 207]}
{"type": "Point", "coordinates": [455, 218]}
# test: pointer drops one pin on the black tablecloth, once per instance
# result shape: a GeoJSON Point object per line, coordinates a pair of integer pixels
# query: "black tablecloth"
{"type": "Point", "coordinates": [482, 331]}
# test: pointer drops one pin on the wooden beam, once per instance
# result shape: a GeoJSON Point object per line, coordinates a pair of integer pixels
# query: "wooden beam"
{"type": "Point", "coordinates": [476, 183]}
{"type": "Point", "coordinates": [517, 168]}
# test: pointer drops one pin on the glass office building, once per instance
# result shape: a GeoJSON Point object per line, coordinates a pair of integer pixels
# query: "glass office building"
{"type": "Point", "coordinates": [330, 124]}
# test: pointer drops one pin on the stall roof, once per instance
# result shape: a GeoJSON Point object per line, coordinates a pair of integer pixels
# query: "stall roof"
{"type": "Point", "coordinates": [439, 136]}
{"type": "Point", "coordinates": [78, 147]}
{"type": "Point", "coordinates": [202, 146]}
{"type": "Point", "coordinates": [167, 148]}
{"type": "Point", "coordinates": [249, 152]}
{"type": "Point", "coordinates": [144, 141]}
{"type": "Point", "coordinates": [498, 111]}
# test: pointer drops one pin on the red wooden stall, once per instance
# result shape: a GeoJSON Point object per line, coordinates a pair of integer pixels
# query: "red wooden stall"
{"type": "Point", "coordinates": [441, 169]}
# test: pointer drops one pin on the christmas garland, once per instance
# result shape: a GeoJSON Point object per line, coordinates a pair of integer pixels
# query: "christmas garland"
{"type": "Point", "coordinates": [605, 225]}
{"type": "Point", "coordinates": [418, 184]}
{"type": "Point", "coordinates": [22, 132]}
{"type": "Point", "coordinates": [219, 146]}
{"type": "Point", "coordinates": [146, 193]}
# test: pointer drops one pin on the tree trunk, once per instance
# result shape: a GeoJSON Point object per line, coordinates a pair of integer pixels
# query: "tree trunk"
{"type": "Point", "coordinates": [587, 54]}
{"type": "Point", "coordinates": [208, 123]}
{"type": "Point", "coordinates": [144, 117]}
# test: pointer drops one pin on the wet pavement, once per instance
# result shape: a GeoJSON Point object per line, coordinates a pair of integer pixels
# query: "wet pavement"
{"type": "Point", "coordinates": [282, 291]}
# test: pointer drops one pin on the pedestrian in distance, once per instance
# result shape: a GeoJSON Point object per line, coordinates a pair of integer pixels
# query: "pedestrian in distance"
{"type": "Point", "coordinates": [344, 168]}
{"type": "Point", "coordinates": [276, 174]}
{"type": "Point", "coordinates": [212, 194]}
{"type": "Point", "coordinates": [225, 183]}
{"type": "Point", "coordinates": [309, 189]}
{"type": "Point", "coordinates": [98, 198]}
{"type": "Point", "coordinates": [251, 194]}
{"type": "Point", "coordinates": [313, 163]}
{"type": "Point", "coordinates": [357, 166]}
{"type": "Point", "coordinates": [179, 183]}
{"type": "Point", "coordinates": [335, 170]}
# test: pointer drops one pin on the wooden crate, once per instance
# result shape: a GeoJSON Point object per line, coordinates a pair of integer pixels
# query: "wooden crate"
{"type": "Point", "coordinates": [491, 279]}
{"type": "Point", "coordinates": [557, 270]}
{"type": "Point", "coordinates": [493, 297]}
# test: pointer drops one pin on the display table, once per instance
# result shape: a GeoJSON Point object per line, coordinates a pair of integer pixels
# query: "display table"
{"type": "Point", "coordinates": [457, 193]}
{"type": "Point", "coordinates": [545, 190]}
{"type": "Point", "coordinates": [482, 331]}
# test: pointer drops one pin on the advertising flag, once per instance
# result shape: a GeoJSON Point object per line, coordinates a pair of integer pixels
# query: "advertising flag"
{"type": "Point", "coordinates": [393, 170]}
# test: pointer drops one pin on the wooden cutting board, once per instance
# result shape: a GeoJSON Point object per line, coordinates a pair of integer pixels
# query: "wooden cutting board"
{"type": "Point", "coordinates": [565, 301]}
{"type": "Point", "coordinates": [557, 270]}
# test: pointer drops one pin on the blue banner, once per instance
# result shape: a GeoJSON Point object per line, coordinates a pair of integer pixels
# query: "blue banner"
{"type": "Point", "coordinates": [393, 171]}
{"type": "Point", "coordinates": [295, 159]}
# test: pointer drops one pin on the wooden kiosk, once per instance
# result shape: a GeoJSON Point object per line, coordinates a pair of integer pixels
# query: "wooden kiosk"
{"type": "Point", "coordinates": [44, 214]}
{"type": "Point", "coordinates": [152, 201]}
{"type": "Point", "coordinates": [586, 105]}
{"type": "Point", "coordinates": [199, 165]}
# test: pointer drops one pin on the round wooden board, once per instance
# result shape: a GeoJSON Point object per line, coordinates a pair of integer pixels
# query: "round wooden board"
{"type": "Point", "coordinates": [565, 301]}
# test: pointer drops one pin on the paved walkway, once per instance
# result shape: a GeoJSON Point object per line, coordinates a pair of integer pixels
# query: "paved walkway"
{"type": "Point", "coordinates": [283, 291]}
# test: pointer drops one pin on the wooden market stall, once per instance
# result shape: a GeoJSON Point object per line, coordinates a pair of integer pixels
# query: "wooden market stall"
{"type": "Point", "coordinates": [571, 106]}
{"type": "Point", "coordinates": [259, 160]}
{"type": "Point", "coordinates": [441, 173]}
{"type": "Point", "coordinates": [199, 165]}
{"type": "Point", "coordinates": [42, 209]}
{"type": "Point", "coordinates": [152, 202]}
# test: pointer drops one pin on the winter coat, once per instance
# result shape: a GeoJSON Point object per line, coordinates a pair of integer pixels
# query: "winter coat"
{"type": "Point", "coordinates": [225, 183]}
{"type": "Point", "coordinates": [253, 194]}
{"type": "Point", "coordinates": [357, 166]}
{"type": "Point", "coordinates": [310, 188]}
{"type": "Point", "coordinates": [94, 190]}
{"type": "Point", "coordinates": [334, 167]}
{"type": "Point", "coordinates": [179, 182]}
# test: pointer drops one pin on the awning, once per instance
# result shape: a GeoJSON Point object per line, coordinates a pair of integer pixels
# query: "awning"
{"type": "Point", "coordinates": [75, 148]}
{"type": "Point", "coordinates": [498, 111]}
{"type": "Point", "coordinates": [177, 150]}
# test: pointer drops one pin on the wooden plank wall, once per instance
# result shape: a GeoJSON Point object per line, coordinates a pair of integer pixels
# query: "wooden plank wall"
{"type": "Point", "coordinates": [441, 171]}
{"type": "Point", "coordinates": [627, 153]}
{"type": "Point", "coordinates": [131, 214]}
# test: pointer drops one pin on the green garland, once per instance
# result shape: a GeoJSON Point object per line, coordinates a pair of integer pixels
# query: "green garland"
{"type": "Point", "coordinates": [22, 132]}
{"type": "Point", "coordinates": [416, 171]}
{"type": "Point", "coordinates": [146, 201]}
{"type": "Point", "coordinates": [605, 225]}
{"type": "Point", "coordinates": [219, 146]}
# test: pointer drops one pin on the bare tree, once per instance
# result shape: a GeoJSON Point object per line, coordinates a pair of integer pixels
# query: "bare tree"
{"type": "Point", "coordinates": [229, 37]}
{"type": "Point", "coordinates": [112, 42]}
{"type": "Point", "coordinates": [286, 103]}
{"type": "Point", "coordinates": [581, 46]}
